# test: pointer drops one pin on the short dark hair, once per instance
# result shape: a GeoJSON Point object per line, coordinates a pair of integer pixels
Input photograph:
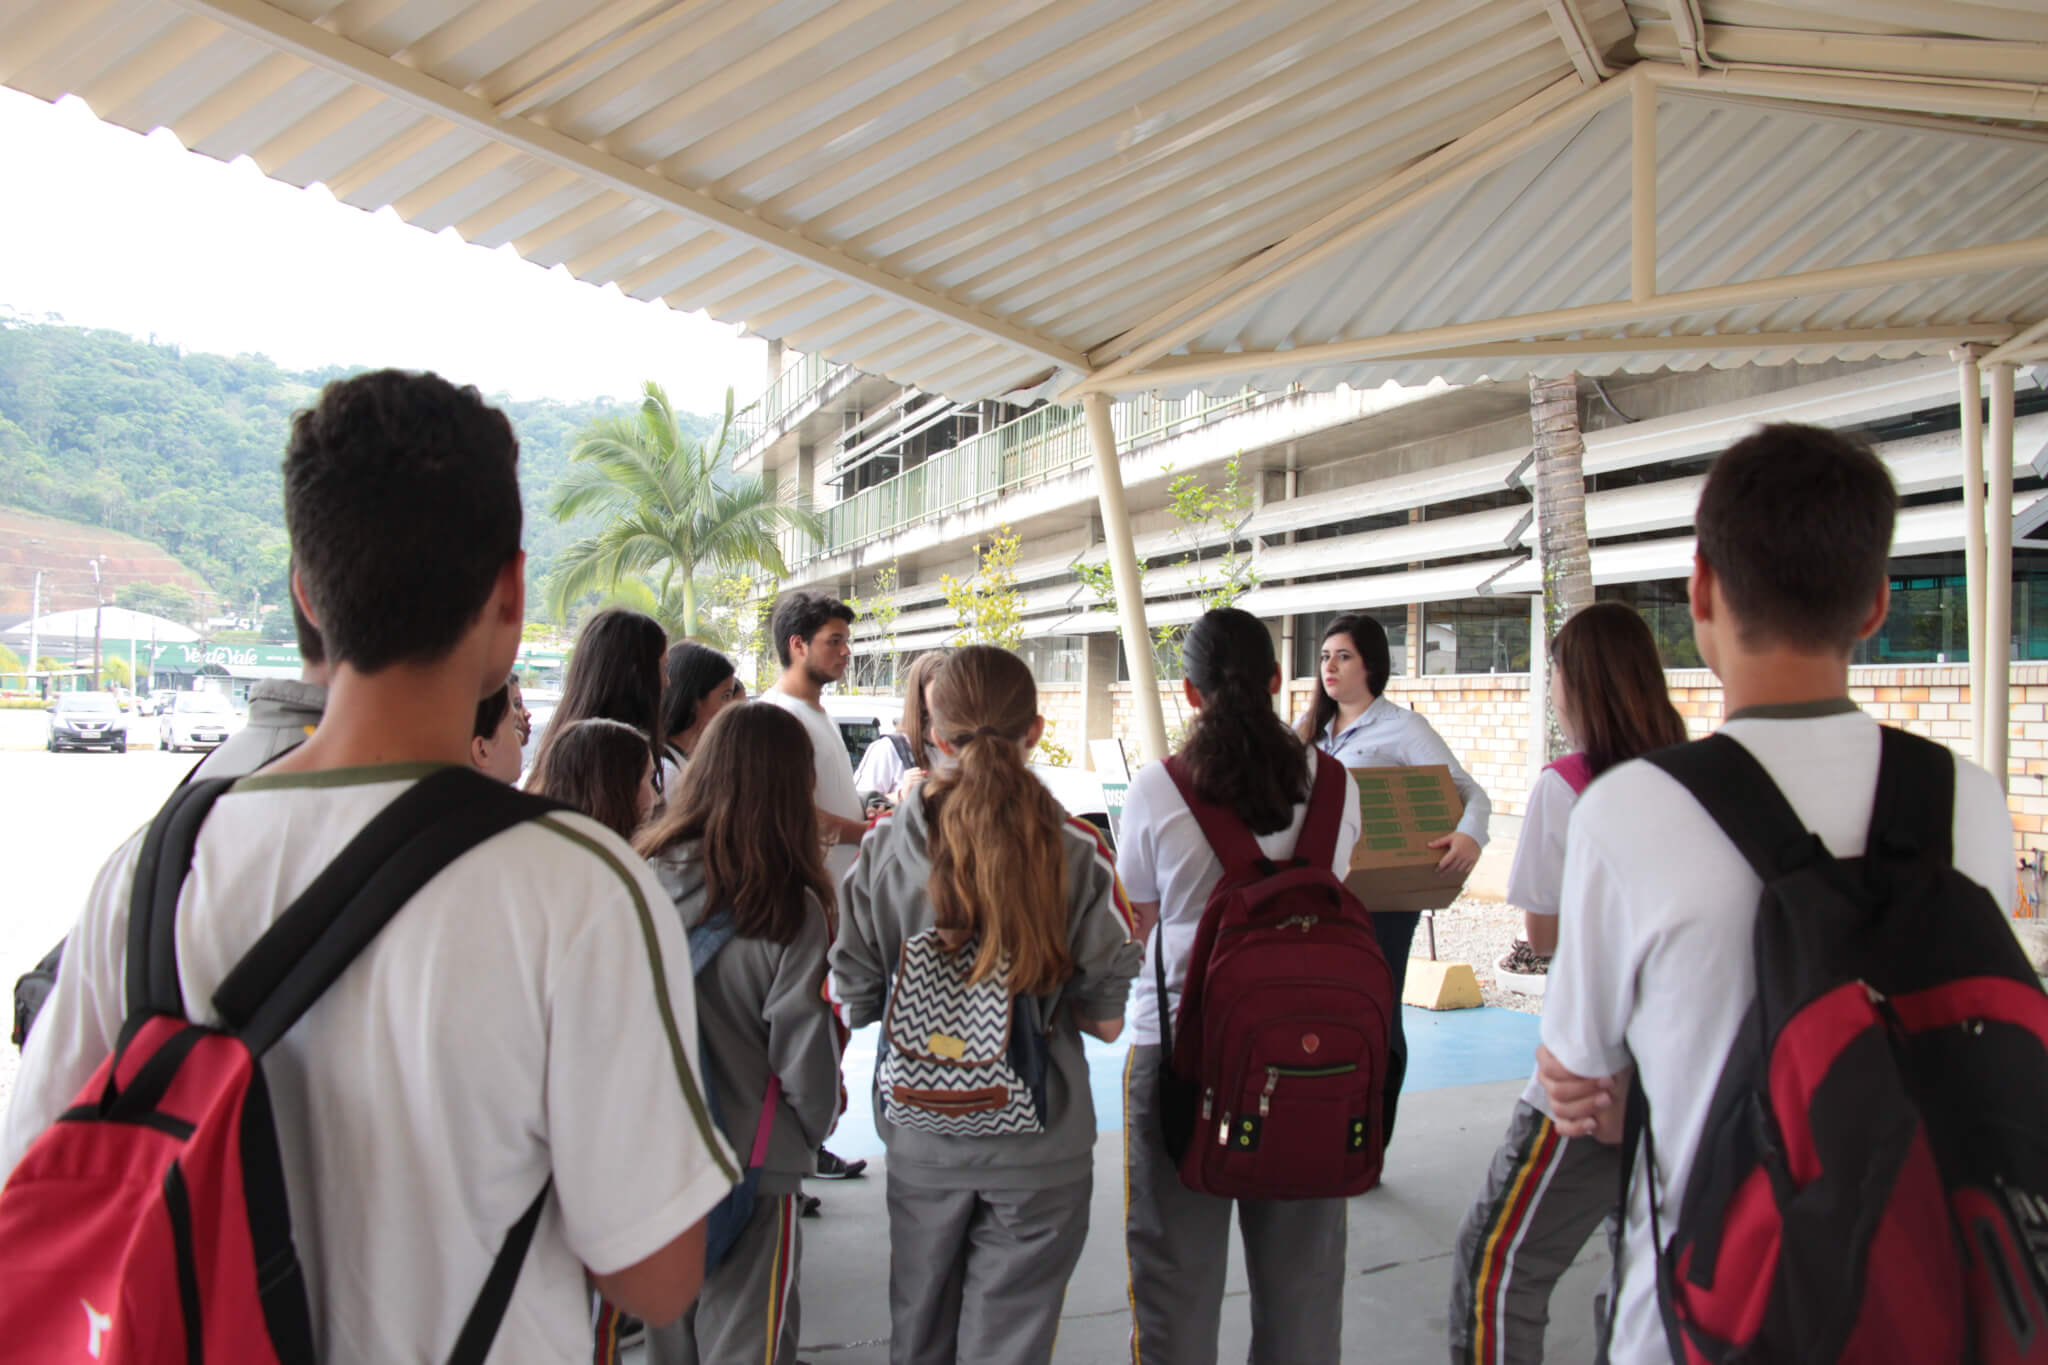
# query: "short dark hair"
{"type": "Point", "coordinates": [312, 649]}
{"type": "Point", "coordinates": [804, 614]}
{"type": "Point", "coordinates": [401, 494]}
{"type": "Point", "coordinates": [1796, 523]}
{"type": "Point", "coordinates": [490, 712]}
{"type": "Point", "coordinates": [689, 674]}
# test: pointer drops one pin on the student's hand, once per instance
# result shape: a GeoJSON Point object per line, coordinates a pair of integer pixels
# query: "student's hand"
{"type": "Point", "coordinates": [1461, 853]}
{"type": "Point", "coordinates": [1581, 1106]}
{"type": "Point", "coordinates": [912, 780]}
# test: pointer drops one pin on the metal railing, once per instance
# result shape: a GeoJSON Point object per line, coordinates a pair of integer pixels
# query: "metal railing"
{"type": "Point", "coordinates": [804, 377]}
{"type": "Point", "coordinates": [1033, 449]}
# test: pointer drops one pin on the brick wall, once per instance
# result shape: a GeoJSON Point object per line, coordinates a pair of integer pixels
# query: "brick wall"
{"type": "Point", "coordinates": [1060, 704]}
{"type": "Point", "coordinates": [1485, 720]}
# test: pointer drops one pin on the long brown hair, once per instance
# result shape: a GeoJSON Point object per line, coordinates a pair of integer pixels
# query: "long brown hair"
{"type": "Point", "coordinates": [999, 864]}
{"type": "Point", "coordinates": [917, 720]}
{"type": "Point", "coordinates": [752, 816]}
{"type": "Point", "coordinates": [1612, 678]}
{"type": "Point", "coordinates": [598, 766]}
{"type": "Point", "coordinates": [1239, 754]}
{"type": "Point", "coordinates": [614, 673]}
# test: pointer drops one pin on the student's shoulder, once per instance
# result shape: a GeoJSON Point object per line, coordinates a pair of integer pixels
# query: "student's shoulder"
{"type": "Point", "coordinates": [1634, 805]}
{"type": "Point", "coordinates": [565, 855]}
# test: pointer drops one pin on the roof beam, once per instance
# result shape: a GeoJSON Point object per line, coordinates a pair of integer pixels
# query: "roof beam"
{"type": "Point", "coordinates": [1491, 145]}
{"type": "Point", "coordinates": [1578, 43]}
{"type": "Point", "coordinates": [2032, 251]}
{"type": "Point", "coordinates": [331, 52]}
{"type": "Point", "coordinates": [1855, 54]}
{"type": "Point", "coordinates": [1866, 91]}
{"type": "Point", "coordinates": [2017, 346]}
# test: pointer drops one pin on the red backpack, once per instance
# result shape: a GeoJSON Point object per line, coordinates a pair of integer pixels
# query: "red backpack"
{"type": "Point", "coordinates": [149, 1223]}
{"type": "Point", "coordinates": [1273, 1090]}
{"type": "Point", "coordinates": [1872, 1181]}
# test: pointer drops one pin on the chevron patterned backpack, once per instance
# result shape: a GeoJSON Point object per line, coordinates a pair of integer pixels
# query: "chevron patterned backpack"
{"type": "Point", "coordinates": [960, 1058]}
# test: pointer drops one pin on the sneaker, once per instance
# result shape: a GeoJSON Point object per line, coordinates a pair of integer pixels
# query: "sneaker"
{"type": "Point", "coordinates": [632, 1331]}
{"type": "Point", "coordinates": [809, 1206]}
{"type": "Point", "coordinates": [1522, 960]}
{"type": "Point", "coordinates": [831, 1167]}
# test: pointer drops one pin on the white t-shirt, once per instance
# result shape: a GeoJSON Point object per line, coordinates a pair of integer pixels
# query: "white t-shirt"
{"type": "Point", "coordinates": [834, 788]}
{"type": "Point", "coordinates": [506, 1027]}
{"type": "Point", "coordinates": [1162, 856]}
{"type": "Point", "coordinates": [881, 767]}
{"type": "Point", "coordinates": [1654, 948]}
{"type": "Point", "coordinates": [1536, 879]}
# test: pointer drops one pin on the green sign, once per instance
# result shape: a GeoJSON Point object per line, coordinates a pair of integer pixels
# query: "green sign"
{"type": "Point", "coordinates": [1113, 794]}
{"type": "Point", "coordinates": [198, 656]}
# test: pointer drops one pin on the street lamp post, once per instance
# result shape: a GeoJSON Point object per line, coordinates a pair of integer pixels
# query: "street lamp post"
{"type": "Point", "coordinates": [35, 611]}
{"type": "Point", "coordinates": [98, 603]}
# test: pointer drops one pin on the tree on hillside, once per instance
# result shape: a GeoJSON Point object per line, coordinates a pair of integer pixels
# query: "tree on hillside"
{"type": "Point", "coordinates": [670, 508]}
{"type": "Point", "coordinates": [167, 600]}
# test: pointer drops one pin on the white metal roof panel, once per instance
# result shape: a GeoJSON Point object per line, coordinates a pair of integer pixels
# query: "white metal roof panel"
{"type": "Point", "coordinates": [970, 196]}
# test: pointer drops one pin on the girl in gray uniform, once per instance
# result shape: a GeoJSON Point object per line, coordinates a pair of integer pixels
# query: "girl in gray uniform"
{"type": "Point", "coordinates": [741, 835]}
{"type": "Point", "coordinates": [985, 1230]}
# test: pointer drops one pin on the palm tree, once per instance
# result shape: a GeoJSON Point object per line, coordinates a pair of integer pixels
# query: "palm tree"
{"type": "Point", "coordinates": [672, 505]}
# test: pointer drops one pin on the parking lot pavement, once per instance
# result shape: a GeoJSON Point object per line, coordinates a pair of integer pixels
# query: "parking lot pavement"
{"type": "Point", "coordinates": [61, 815]}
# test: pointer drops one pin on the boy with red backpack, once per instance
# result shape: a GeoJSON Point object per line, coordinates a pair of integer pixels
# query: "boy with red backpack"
{"type": "Point", "coordinates": [415, 997]}
{"type": "Point", "coordinates": [1791, 934]}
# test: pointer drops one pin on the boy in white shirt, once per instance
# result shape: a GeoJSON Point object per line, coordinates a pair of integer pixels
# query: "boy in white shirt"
{"type": "Point", "coordinates": [814, 640]}
{"type": "Point", "coordinates": [526, 1018]}
{"type": "Point", "coordinates": [1655, 969]}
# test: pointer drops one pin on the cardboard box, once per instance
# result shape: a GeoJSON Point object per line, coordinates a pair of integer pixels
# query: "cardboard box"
{"type": "Point", "coordinates": [1400, 810]}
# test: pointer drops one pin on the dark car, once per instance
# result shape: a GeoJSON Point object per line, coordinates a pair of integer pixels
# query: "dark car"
{"type": "Point", "coordinates": [87, 720]}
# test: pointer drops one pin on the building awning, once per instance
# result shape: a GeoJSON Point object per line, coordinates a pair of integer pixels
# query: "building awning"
{"type": "Point", "coordinates": [983, 200]}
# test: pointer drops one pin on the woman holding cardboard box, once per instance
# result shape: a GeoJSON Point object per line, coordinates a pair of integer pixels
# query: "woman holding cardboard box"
{"type": "Point", "coordinates": [1354, 723]}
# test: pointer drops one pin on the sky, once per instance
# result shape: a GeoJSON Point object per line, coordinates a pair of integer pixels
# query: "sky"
{"type": "Point", "coordinates": [137, 234]}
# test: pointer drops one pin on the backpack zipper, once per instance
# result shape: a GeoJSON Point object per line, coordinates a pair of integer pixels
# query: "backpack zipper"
{"type": "Point", "coordinates": [1274, 1073]}
{"type": "Point", "coordinates": [1301, 922]}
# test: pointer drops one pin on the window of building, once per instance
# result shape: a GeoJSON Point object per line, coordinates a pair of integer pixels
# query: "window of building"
{"type": "Point", "coordinates": [1055, 658]}
{"type": "Point", "coordinates": [1486, 635]}
{"type": "Point", "coordinates": [1667, 608]}
{"type": "Point", "coordinates": [1308, 638]}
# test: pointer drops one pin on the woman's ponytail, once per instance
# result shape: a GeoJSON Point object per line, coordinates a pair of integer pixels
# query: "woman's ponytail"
{"type": "Point", "coordinates": [1240, 755]}
{"type": "Point", "coordinates": [999, 866]}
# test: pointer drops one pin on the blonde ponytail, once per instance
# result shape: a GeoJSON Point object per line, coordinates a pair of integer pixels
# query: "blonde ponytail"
{"type": "Point", "coordinates": [999, 866]}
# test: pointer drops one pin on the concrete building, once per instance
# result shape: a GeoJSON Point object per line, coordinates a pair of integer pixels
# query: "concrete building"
{"type": "Point", "coordinates": [1409, 503]}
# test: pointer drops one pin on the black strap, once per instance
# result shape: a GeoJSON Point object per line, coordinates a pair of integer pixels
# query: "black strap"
{"type": "Point", "coordinates": [901, 744]}
{"type": "Point", "coordinates": [1914, 813]}
{"type": "Point", "coordinates": [1165, 1010]}
{"type": "Point", "coordinates": [1726, 779]}
{"type": "Point", "coordinates": [481, 1327]}
{"type": "Point", "coordinates": [1636, 1134]}
{"type": "Point", "coordinates": [431, 824]}
{"type": "Point", "coordinates": [1227, 835]}
{"type": "Point", "coordinates": [160, 868]}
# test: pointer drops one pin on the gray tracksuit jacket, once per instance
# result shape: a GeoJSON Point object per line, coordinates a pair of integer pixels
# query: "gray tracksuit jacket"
{"type": "Point", "coordinates": [761, 1008]}
{"type": "Point", "coordinates": [282, 713]}
{"type": "Point", "coordinates": [883, 902]}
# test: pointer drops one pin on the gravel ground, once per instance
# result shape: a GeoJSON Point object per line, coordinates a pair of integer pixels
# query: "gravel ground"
{"type": "Point", "coordinates": [1479, 932]}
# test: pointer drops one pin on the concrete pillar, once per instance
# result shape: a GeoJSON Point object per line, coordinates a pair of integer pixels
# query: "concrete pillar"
{"type": "Point", "coordinates": [1282, 631]}
{"type": "Point", "coordinates": [1970, 398]}
{"type": "Point", "coordinates": [776, 363]}
{"type": "Point", "coordinates": [1996, 745]}
{"type": "Point", "coordinates": [1418, 642]}
{"type": "Point", "coordinates": [1123, 566]}
{"type": "Point", "coordinates": [1098, 704]}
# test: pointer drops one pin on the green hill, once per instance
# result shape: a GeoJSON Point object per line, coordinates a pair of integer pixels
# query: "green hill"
{"type": "Point", "coordinates": [182, 449]}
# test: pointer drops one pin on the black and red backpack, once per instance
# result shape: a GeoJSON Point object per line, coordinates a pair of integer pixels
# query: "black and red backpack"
{"type": "Point", "coordinates": [1872, 1181]}
{"type": "Point", "coordinates": [1273, 1089]}
{"type": "Point", "coordinates": [149, 1223]}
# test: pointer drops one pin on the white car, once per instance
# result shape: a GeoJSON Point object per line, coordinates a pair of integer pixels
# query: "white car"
{"type": "Point", "coordinates": [195, 720]}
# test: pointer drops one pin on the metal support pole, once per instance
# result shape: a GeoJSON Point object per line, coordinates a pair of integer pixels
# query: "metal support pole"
{"type": "Point", "coordinates": [1642, 250]}
{"type": "Point", "coordinates": [1997, 749]}
{"type": "Point", "coordinates": [1123, 571]}
{"type": "Point", "coordinates": [1970, 395]}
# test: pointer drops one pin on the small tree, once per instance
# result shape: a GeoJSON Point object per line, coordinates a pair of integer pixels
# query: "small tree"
{"type": "Point", "coordinates": [10, 662]}
{"type": "Point", "coordinates": [114, 670]}
{"type": "Point", "coordinates": [988, 606]}
{"type": "Point", "coordinates": [879, 611]}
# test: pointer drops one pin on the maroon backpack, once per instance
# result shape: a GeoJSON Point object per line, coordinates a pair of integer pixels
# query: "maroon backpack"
{"type": "Point", "coordinates": [1273, 1090]}
{"type": "Point", "coordinates": [149, 1223]}
{"type": "Point", "coordinates": [1871, 1184]}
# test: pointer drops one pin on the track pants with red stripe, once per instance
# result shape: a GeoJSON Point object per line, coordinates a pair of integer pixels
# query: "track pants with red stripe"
{"type": "Point", "coordinates": [1544, 1196]}
{"type": "Point", "coordinates": [746, 1314]}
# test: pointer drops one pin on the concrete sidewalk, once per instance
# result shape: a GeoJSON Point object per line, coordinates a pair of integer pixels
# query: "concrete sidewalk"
{"type": "Point", "coordinates": [1398, 1266]}
{"type": "Point", "coordinates": [1466, 1069]}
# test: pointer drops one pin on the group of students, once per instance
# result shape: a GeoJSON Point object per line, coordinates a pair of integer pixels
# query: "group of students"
{"type": "Point", "coordinates": [640, 998]}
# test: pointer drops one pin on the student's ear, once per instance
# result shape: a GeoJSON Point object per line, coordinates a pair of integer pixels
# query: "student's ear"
{"type": "Point", "coordinates": [479, 753]}
{"type": "Point", "coordinates": [1700, 589]}
{"type": "Point", "coordinates": [1273, 683]}
{"type": "Point", "coordinates": [299, 596]}
{"type": "Point", "coordinates": [512, 584]}
{"type": "Point", "coordinates": [1194, 697]}
{"type": "Point", "coordinates": [1879, 610]}
{"type": "Point", "coordinates": [1035, 733]}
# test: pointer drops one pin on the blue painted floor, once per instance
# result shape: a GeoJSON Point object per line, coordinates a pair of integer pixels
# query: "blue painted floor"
{"type": "Point", "coordinates": [1448, 1048]}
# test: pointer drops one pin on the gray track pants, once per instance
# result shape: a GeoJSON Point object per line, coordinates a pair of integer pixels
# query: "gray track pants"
{"type": "Point", "coordinates": [747, 1312]}
{"type": "Point", "coordinates": [1177, 1244]}
{"type": "Point", "coordinates": [1544, 1196]}
{"type": "Point", "coordinates": [980, 1276]}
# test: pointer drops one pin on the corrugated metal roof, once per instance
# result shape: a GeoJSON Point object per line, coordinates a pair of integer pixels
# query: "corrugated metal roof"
{"type": "Point", "coordinates": [971, 196]}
